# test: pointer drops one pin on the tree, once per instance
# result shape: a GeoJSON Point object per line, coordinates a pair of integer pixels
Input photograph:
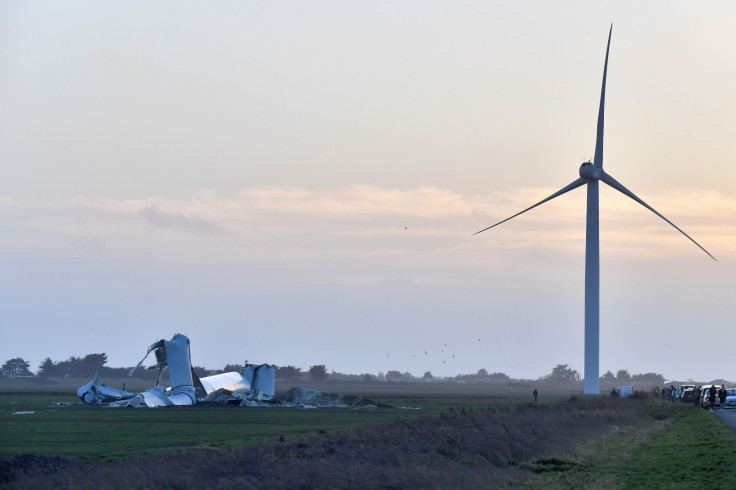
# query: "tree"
{"type": "Point", "coordinates": [608, 378]}
{"type": "Point", "coordinates": [398, 376]}
{"type": "Point", "coordinates": [318, 372]}
{"type": "Point", "coordinates": [288, 372]}
{"type": "Point", "coordinates": [654, 378]}
{"type": "Point", "coordinates": [394, 376]}
{"type": "Point", "coordinates": [90, 364]}
{"type": "Point", "coordinates": [623, 376]}
{"type": "Point", "coordinates": [428, 376]}
{"type": "Point", "coordinates": [564, 374]}
{"type": "Point", "coordinates": [47, 368]}
{"type": "Point", "coordinates": [16, 367]}
{"type": "Point", "coordinates": [69, 367]}
{"type": "Point", "coordinates": [232, 368]}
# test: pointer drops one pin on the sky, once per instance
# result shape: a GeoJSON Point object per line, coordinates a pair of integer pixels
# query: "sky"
{"type": "Point", "coordinates": [297, 183]}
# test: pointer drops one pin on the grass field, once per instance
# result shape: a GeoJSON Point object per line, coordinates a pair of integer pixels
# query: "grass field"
{"type": "Point", "coordinates": [480, 436]}
{"type": "Point", "coordinates": [105, 433]}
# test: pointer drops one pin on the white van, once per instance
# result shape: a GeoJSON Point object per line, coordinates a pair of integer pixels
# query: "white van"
{"type": "Point", "coordinates": [625, 391]}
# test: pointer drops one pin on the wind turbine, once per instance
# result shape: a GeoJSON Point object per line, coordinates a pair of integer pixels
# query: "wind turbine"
{"type": "Point", "coordinates": [591, 174]}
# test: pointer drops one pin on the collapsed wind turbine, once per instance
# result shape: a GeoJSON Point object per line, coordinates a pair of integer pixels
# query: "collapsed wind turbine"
{"type": "Point", "coordinates": [590, 174]}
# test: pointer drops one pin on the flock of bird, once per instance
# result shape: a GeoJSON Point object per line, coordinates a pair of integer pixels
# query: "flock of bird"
{"type": "Point", "coordinates": [427, 354]}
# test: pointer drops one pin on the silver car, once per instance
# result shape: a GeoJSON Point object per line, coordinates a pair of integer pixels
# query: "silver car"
{"type": "Point", "coordinates": [730, 398]}
{"type": "Point", "coordinates": [705, 397]}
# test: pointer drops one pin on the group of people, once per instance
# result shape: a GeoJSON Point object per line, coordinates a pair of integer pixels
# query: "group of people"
{"type": "Point", "coordinates": [670, 393]}
{"type": "Point", "coordinates": [673, 394]}
{"type": "Point", "coordinates": [712, 393]}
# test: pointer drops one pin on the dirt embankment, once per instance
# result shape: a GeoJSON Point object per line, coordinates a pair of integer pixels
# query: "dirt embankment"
{"type": "Point", "coordinates": [480, 448]}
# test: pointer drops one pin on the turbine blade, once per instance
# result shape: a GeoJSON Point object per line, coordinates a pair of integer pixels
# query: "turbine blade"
{"type": "Point", "coordinates": [565, 189]}
{"type": "Point", "coordinates": [598, 158]}
{"type": "Point", "coordinates": [623, 190]}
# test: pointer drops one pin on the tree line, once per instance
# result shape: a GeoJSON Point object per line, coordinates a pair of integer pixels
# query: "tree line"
{"type": "Point", "coordinates": [73, 367]}
{"type": "Point", "coordinates": [91, 364]}
{"type": "Point", "coordinates": [623, 377]}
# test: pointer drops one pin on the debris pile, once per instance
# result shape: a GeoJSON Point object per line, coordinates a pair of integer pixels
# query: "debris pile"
{"type": "Point", "coordinates": [186, 388]}
{"type": "Point", "coordinates": [252, 387]}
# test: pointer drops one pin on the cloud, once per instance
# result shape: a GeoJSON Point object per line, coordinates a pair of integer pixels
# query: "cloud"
{"type": "Point", "coordinates": [360, 200]}
{"type": "Point", "coordinates": [425, 224]}
{"type": "Point", "coordinates": [161, 219]}
{"type": "Point", "coordinates": [365, 262]}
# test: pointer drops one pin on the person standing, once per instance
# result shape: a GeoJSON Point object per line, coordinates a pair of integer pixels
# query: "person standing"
{"type": "Point", "coordinates": [535, 393]}
{"type": "Point", "coordinates": [712, 393]}
{"type": "Point", "coordinates": [722, 396]}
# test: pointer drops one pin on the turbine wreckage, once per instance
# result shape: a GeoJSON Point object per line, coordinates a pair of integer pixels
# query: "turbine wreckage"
{"type": "Point", "coordinates": [253, 386]}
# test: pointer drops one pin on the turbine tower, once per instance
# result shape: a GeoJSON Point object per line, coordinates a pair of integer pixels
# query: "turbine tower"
{"type": "Point", "coordinates": [591, 174]}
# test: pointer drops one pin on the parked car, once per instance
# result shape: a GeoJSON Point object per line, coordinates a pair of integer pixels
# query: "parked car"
{"type": "Point", "coordinates": [705, 397]}
{"type": "Point", "coordinates": [730, 398]}
{"type": "Point", "coordinates": [684, 388]}
{"type": "Point", "coordinates": [689, 396]}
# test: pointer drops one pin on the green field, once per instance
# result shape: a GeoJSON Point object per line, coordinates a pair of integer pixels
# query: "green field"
{"type": "Point", "coordinates": [448, 432]}
{"type": "Point", "coordinates": [113, 433]}
{"type": "Point", "coordinates": [105, 433]}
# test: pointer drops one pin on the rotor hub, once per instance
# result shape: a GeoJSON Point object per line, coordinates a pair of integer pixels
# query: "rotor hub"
{"type": "Point", "coordinates": [588, 171]}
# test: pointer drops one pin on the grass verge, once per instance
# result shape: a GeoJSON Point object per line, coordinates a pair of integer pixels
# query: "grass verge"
{"type": "Point", "coordinates": [683, 447]}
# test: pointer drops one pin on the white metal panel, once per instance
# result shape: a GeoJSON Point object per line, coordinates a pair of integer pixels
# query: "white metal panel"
{"type": "Point", "coordinates": [226, 381]}
{"type": "Point", "coordinates": [265, 379]}
{"type": "Point", "coordinates": [177, 357]}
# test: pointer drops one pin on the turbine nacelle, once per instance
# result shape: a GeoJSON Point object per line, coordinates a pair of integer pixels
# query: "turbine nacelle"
{"type": "Point", "coordinates": [589, 172]}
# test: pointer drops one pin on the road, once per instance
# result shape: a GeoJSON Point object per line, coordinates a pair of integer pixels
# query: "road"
{"type": "Point", "coordinates": [728, 417]}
